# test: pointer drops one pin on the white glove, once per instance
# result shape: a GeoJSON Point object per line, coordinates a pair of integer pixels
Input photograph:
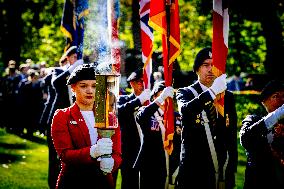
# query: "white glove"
{"type": "Point", "coordinates": [273, 117]}
{"type": "Point", "coordinates": [144, 96]}
{"type": "Point", "coordinates": [219, 85]}
{"type": "Point", "coordinates": [107, 164]}
{"type": "Point", "coordinates": [102, 147]}
{"type": "Point", "coordinates": [73, 66]}
{"type": "Point", "coordinates": [167, 92]}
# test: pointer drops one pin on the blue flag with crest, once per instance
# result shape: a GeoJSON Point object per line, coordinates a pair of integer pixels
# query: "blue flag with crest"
{"type": "Point", "coordinates": [72, 23]}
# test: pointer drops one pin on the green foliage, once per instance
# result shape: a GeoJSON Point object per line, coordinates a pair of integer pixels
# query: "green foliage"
{"type": "Point", "coordinates": [196, 33]}
{"type": "Point", "coordinates": [125, 24]}
{"type": "Point", "coordinates": [247, 104]}
{"type": "Point", "coordinates": [247, 47]}
{"type": "Point", "coordinates": [43, 39]}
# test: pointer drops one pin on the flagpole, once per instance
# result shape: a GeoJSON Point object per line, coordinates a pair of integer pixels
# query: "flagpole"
{"type": "Point", "coordinates": [168, 19]}
{"type": "Point", "coordinates": [168, 82]}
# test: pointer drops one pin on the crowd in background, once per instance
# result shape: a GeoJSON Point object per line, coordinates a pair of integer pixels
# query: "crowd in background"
{"type": "Point", "coordinates": [23, 92]}
{"type": "Point", "coordinates": [22, 96]}
{"type": "Point", "coordinates": [30, 91]}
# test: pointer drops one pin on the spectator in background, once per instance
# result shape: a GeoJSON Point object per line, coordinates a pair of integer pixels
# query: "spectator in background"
{"type": "Point", "coordinates": [10, 90]}
{"type": "Point", "coordinates": [236, 83]}
{"type": "Point", "coordinates": [29, 62]}
{"type": "Point", "coordinates": [24, 68]}
{"type": "Point", "coordinates": [249, 85]}
{"type": "Point", "coordinates": [42, 69]}
{"type": "Point", "coordinates": [31, 99]}
{"type": "Point", "coordinates": [77, 142]}
{"type": "Point", "coordinates": [263, 139]}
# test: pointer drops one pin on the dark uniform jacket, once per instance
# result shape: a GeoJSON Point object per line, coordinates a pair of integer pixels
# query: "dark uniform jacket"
{"type": "Point", "coordinates": [127, 106]}
{"type": "Point", "coordinates": [152, 160]}
{"type": "Point", "coordinates": [49, 105]}
{"type": "Point", "coordinates": [130, 139]}
{"type": "Point", "coordinates": [197, 168]}
{"type": "Point", "coordinates": [62, 94]}
{"type": "Point", "coordinates": [263, 169]}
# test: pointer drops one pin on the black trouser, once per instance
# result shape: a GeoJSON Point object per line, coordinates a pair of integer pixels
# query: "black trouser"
{"type": "Point", "coordinates": [129, 178]}
{"type": "Point", "coordinates": [54, 162]}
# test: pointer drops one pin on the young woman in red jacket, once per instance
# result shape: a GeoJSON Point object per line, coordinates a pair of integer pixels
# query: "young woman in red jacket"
{"type": "Point", "coordinates": [77, 142]}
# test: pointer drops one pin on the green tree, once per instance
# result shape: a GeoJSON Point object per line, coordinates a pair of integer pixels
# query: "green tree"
{"type": "Point", "coordinates": [31, 29]}
{"type": "Point", "coordinates": [255, 37]}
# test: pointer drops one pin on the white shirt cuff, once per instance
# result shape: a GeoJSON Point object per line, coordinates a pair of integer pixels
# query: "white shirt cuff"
{"type": "Point", "coordinates": [92, 151]}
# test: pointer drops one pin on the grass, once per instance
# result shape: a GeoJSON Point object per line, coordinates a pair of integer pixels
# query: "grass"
{"type": "Point", "coordinates": [241, 167]}
{"type": "Point", "coordinates": [24, 163]}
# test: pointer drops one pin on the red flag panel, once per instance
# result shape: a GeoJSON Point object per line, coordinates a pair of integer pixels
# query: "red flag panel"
{"type": "Point", "coordinates": [220, 43]}
{"type": "Point", "coordinates": [171, 50]}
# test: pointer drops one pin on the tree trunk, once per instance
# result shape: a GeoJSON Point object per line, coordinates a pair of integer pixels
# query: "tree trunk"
{"type": "Point", "coordinates": [136, 25]}
{"type": "Point", "coordinates": [272, 30]}
{"type": "Point", "coordinates": [12, 31]}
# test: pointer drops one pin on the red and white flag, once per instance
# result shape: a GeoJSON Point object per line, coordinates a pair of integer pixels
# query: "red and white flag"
{"type": "Point", "coordinates": [220, 42]}
{"type": "Point", "coordinates": [146, 41]}
{"type": "Point", "coordinates": [171, 50]}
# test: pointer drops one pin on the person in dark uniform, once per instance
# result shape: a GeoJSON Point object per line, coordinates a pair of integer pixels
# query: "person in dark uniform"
{"type": "Point", "coordinates": [63, 93]}
{"type": "Point", "coordinates": [209, 139]}
{"type": "Point", "coordinates": [46, 118]}
{"type": "Point", "coordinates": [62, 99]}
{"type": "Point", "coordinates": [49, 105]}
{"type": "Point", "coordinates": [263, 139]}
{"type": "Point", "coordinates": [130, 131]}
{"type": "Point", "coordinates": [152, 160]}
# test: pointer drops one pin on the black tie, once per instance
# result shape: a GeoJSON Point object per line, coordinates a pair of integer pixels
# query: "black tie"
{"type": "Point", "coordinates": [212, 115]}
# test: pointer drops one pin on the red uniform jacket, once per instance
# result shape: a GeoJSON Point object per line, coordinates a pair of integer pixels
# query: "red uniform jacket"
{"type": "Point", "coordinates": [72, 142]}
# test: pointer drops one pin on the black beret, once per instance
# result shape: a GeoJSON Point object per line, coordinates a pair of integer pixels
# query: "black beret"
{"type": "Point", "coordinates": [203, 54]}
{"type": "Point", "coordinates": [270, 88]}
{"type": "Point", "coordinates": [82, 72]}
{"type": "Point", "coordinates": [159, 86]}
{"type": "Point", "coordinates": [137, 74]}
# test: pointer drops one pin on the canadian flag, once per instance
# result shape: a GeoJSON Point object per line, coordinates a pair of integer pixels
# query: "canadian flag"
{"type": "Point", "coordinates": [220, 42]}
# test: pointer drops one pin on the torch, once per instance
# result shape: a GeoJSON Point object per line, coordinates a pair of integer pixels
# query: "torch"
{"type": "Point", "coordinates": [107, 72]}
{"type": "Point", "coordinates": [107, 90]}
